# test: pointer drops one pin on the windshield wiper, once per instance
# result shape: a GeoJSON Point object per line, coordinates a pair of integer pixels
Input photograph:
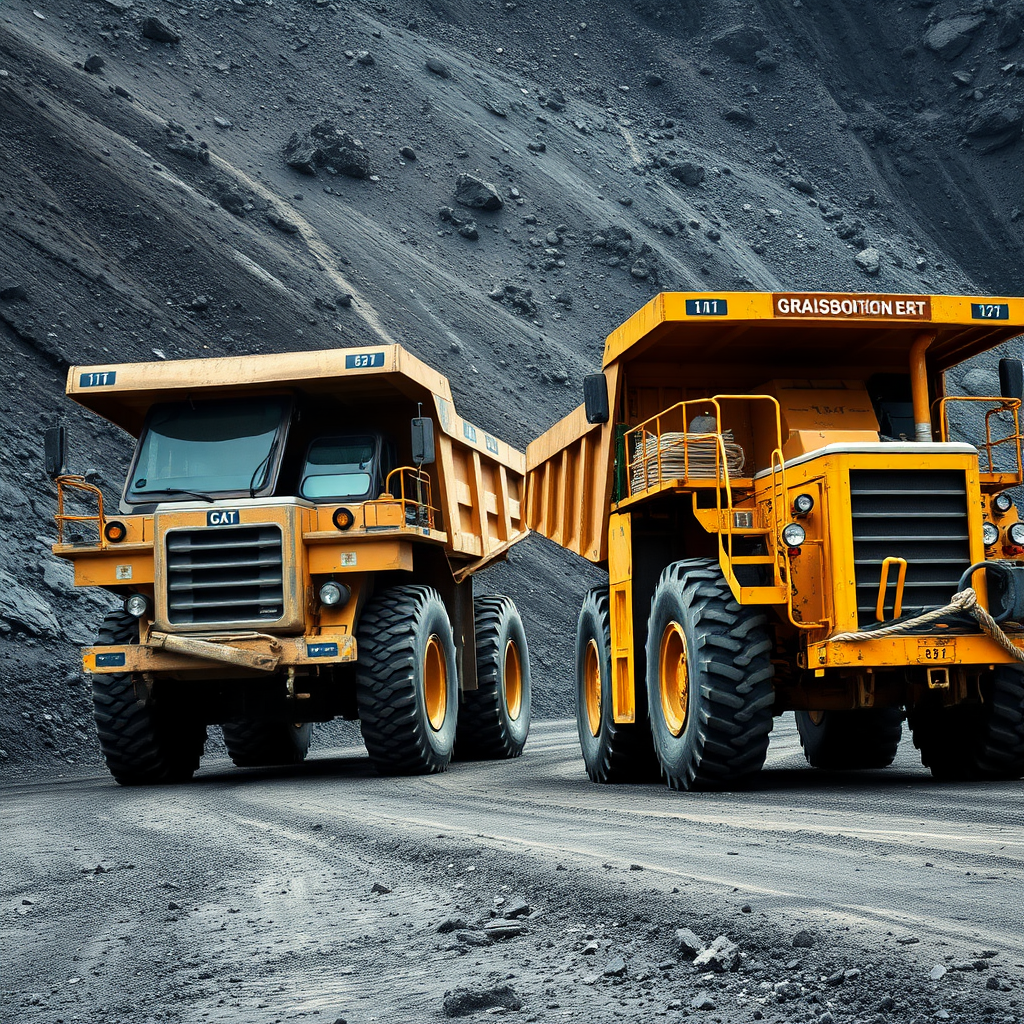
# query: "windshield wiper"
{"type": "Point", "coordinates": [181, 490]}
{"type": "Point", "coordinates": [265, 462]}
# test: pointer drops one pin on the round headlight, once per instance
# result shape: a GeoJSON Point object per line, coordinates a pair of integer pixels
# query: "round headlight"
{"type": "Point", "coordinates": [989, 534]}
{"type": "Point", "coordinates": [334, 594]}
{"type": "Point", "coordinates": [1002, 503]}
{"type": "Point", "coordinates": [137, 605]}
{"type": "Point", "coordinates": [115, 532]}
{"type": "Point", "coordinates": [343, 518]}
{"type": "Point", "coordinates": [793, 535]}
{"type": "Point", "coordinates": [802, 504]}
{"type": "Point", "coordinates": [1016, 534]}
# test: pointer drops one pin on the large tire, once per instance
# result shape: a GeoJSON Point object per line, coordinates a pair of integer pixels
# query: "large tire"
{"type": "Point", "coordinates": [143, 744]}
{"type": "Point", "coordinates": [613, 751]}
{"type": "Point", "coordinates": [975, 741]}
{"type": "Point", "coordinates": [709, 679]}
{"type": "Point", "coordinates": [494, 720]}
{"type": "Point", "coordinates": [407, 682]}
{"type": "Point", "coordinates": [846, 740]}
{"type": "Point", "coordinates": [259, 743]}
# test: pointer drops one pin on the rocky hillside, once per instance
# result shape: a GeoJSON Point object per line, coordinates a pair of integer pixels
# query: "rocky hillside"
{"type": "Point", "coordinates": [493, 185]}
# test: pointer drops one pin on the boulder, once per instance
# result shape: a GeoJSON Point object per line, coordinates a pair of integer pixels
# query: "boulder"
{"type": "Point", "coordinates": [741, 43]}
{"type": "Point", "coordinates": [996, 125]}
{"type": "Point", "coordinates": [951, 36]}
{"type": "Point", "coordinates": [22, 608]}
{"type": "Point", "coordinates": [326, 146]}
{"type": "Point", "coordinates": [476, 194]}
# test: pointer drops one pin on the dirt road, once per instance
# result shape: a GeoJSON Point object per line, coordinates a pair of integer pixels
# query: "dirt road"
{"type": "Point", "coordinates": [250, 896]}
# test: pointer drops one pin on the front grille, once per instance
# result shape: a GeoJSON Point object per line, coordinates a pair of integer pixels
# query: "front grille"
{"type": "Point", "coordinates": [225, 575]}
{"type": "Point", "coordinates": [919, 515]}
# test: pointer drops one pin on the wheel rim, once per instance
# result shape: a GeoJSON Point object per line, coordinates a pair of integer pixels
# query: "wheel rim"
{"type": "Point", "coordinates": [435, 683]}
{"type": "Point", "coordinates": [673, 678]}
{"type": "Point", "coordinates": [592, 686]}
{"type": "Point", "coordinates": [513, 680]}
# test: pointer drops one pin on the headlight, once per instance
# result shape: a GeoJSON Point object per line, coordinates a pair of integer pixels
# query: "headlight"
{"type": "Point", "coordinates": [137, 605]}
{"type": "Point", "coordinates": [802, 504]}
{"type": "Point", "coordinates": [793, 535]}
{"type": "Point", "coordinates": [989, 534]}
{"type": "Point", "coordinates": [334, 594]}
{"type": "Point", "coordinates": [1002, 503]}
{"type": "Point", "coordinates": [1016, 534]}
{"type": "Point", "coordinates": [343, 518]}
{"type": "Point", "coordinates": [115, 532]}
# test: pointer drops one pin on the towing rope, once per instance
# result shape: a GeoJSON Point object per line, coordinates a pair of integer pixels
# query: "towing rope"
{"type": "Point", "coordinates": [964, 601]}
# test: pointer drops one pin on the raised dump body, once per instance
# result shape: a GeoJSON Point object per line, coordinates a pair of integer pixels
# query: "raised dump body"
{"type": "Point", "coordinates": [773, 484]}
{"type": "Point", "coordinates": [290, 551]}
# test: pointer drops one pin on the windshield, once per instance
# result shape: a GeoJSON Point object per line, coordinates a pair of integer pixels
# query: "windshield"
{"type": "Point", "coordinates": [339, 467]}
{"type": "Point", "coordinates": [207, 447]}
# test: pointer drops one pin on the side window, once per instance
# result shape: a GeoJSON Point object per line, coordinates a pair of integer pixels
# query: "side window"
{"type": "Point", "coordinates": [346, 468]}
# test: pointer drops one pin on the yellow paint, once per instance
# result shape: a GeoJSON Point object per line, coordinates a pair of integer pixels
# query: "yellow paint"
{"type": "Point", "coordinates": [352, 554]}
{"type": "Point", "coordinates": [620, 582]}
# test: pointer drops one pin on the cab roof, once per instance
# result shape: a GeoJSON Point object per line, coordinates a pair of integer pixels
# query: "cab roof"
{"type": "Point", "coordinates": [764, 335]}
{"type": "Point", "coordinates": [124, 392]}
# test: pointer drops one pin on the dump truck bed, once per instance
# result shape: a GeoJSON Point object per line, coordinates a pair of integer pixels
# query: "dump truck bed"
{"type": "Point", "coordinates": [684, 344]}
{"type": "Point", "coordinates": [479, 479]}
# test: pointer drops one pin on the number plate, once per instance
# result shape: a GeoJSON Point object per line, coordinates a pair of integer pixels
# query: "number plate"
{"type": "Point", "coordinates": [364, 361]}
{"type": "Point", "coordinates": [936, 651]}
{"type": "Point", "coordinates": [707, 307]}
{"type": "Point", "coordinates": [990, 311]}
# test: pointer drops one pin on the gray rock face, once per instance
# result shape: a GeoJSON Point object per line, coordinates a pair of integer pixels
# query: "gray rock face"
{"type": "Point", "coordinates": [741, 42]}
{"type": "Point", "coordinates": [326, 146]}
{"type": "Point", "coordinates": [438, 67]}
{"type": "Point", "coordinates": [1009, 26]}
{"type": "Point", "coordinates": [22, 608]}
{"type": "Point", "coordinates": [159, 31]}
{"type": "Point", "coordinates": [687, 172]}
{"type": "Point", "coordinates": [995, 126]}
{"type": "Point", "coordinates": [476, 194]}
{"type": "Point", "coordinates": [461, 1002]}
{"type": "Point", "coordinates": [688, 943]}
{"type": "Point", "coordinates": [950, 37]}
{"type": "Point", "coordinates": [869, 260]}
{"type": "Point", "coordinates": [722, 955]}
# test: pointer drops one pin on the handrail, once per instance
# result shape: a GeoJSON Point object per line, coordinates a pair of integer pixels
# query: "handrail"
{"type": "Point", "coordinates": [78, 483]}
{"type": "Point", "coordinates": [422, 511]}
{"type": "Point", "coordinates": [998, 405]}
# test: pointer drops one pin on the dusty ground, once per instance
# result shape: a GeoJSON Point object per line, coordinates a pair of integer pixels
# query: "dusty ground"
{"type": "Point", "coordinates": [328, 893]}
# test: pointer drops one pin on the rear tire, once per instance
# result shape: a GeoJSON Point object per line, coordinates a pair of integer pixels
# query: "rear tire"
{"type": "Point", "coordinates": [494, 719]}
{"type": "Point", "coordinates": [261, 743]}
{"type": "Point", "coordinates": [146, 739]}
{"type": "Point", "coordinates": [709, 679]}
{"type": "Point", "coordinates": [613, 751]}
{"type": "Point", "coordinates": [848, 740]}
{"type": "Point", "coordinates": [975, 741]}
{"type": "Point", "coordinates": [407, 682]}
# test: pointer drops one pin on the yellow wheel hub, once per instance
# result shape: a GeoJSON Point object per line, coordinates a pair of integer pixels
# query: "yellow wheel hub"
{"type": "Point", "coordinates": [512, 679]}
{"type": "Point", "coordinates": [592, 686]}
{"type": "Point", "coordinates": [673, 678]}
{"type": "Point", "coordinates": [435, 683]}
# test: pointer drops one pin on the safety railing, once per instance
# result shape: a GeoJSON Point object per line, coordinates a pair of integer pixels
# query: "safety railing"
{"type": "Point", "coordinates": [78, 483]}
{"type": "Point", "coordinates": [414, 495]}
{"type": "Point", "coordinates": [1011, 474]}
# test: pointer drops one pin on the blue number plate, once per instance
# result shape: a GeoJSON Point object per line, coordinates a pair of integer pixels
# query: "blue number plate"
{"type": "Point", "coordinates": [990, 311]}
{"type": "Point", "coordinates": [110, 660]}
{"type": "Point", "coordinates": [367, 361]}
{"type": "Point", "coordinates": [321, 650]}
{"type": "Point", "coordinates": [222, 517]}
{"type": "Point", "coordinates": [98, 380]}
{"type": "Point", "coordinates": [707, 307]}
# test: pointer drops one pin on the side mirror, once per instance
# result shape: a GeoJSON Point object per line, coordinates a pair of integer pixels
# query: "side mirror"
{"type": "Point", "coordinates": [55, 449]}
{"type": "Point", "coordinates": [1011, 378]}
{"type": "Point", "coordinates": [422, 440]}
{"type": "Point", "coordinates": [595, 397]}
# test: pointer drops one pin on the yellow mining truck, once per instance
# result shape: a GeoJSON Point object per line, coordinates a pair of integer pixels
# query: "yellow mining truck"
{"type": "Point", "coordinates": [771, 482]}
{"type": "Point", "coordinates": [290, 551]}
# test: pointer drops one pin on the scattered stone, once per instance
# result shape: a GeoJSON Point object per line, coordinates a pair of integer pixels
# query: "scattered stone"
{"type": "Point", "coordinates": [802, 185]}
{"type": "Point", "coordinates": [519, 298]}
{"type": "Point", "coordinates": [653, 79]}
{"type": "Point", "coordinates": [517, 908]}
{"type": "Point", "coordinates": [199, 304]}
{"type": "Point", "coordinates": [615, 968]}
{"type": "Point", "coordinates": [465, 227]}
{"type": "Point", "coordinates": [702, 1001]}
{"type": "Point", "coordinates": [501, 928]}
{"type": "Point", "coordinates": [738, 115]}
{"type": "Point", "coordinates": [234, 202]}
{"type": "Point", "coordinates": [591, 948]}
{"type": "Point", "coordinates": [951, 36]}
{"type": "Point", "coordinates": [495, 106]}
{"type": "Point", "coordinates": [741, 43]}
{"type": "Point", "coordinates": [468, 937]}
{"type": "Point", "coordinates": [223, 123]}
{"type": "Point", "coordinates": [438, 67]}
{"type": "Point", "coordinates": [326, 146]}
{"type": "Point", "coordinates": [24, 609]}
{"type": "Point", "coordinates": [94, 64]}
{"type": "Point", "coordinates": [722, 955]}
{"type": "Point", "coordinates": [785, 990]}
{"type": "Point", "coordinates": [282, 224]}
{"type": "Point", "coordinates": [461, 1002]}
{"type": "Point", "coordinates": [687, 172]}
{"type": "Point", "coordinates": [477, 194]}
{"type": "Point", "coordinates": [937, 972]}
{"type": "Point", "coordinates": [1009, 26]}
{"type": "Point", "coordinates": [803, 939]}
{"type": "Point", "coordinates": [407, 153]}
{"type": "Point", "coordinates": [688, 943]}
{"type": "Point", "coordinates": [365, 58]}
{"type": "Point", "coordinates": [996, 126]}
{"type": "Point", "coordinates": [553, 99]}
{"type": "Point", "coordinates": [379, 889]}
{"type": "Point", "coordinates": [158, 31]}
{"type": "Point", "coordinates": [869, 260]}
{"type": "Point", "coordinates": [536, 147]}
{"type": "Point", "coordinates": [173, 906]}
{"type": "Point", "coordinates": [14, 293]}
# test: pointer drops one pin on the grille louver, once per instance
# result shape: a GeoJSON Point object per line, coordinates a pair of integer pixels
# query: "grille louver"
{"type": "Point", "coordinates": [919, 515]}
{"type": "Point", "coordinates": [228, 575]}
